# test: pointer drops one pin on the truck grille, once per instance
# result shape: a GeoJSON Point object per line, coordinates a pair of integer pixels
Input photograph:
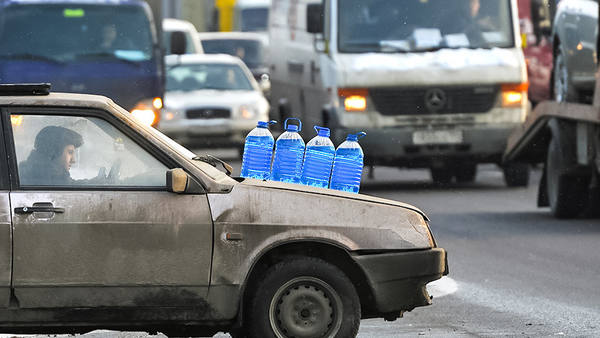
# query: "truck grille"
{"type": "Point", "coordinates": [431, 100]}
{"type": "Point", "coordinates": [208, 113]}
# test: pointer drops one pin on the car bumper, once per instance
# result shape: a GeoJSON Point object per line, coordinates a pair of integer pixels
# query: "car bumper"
{"type": "Point", "coordinates": [395, 145]}
{"type": "Point", "coordinates": [214, 132]}
{"type": "Point", "coordinates": [398, 280]}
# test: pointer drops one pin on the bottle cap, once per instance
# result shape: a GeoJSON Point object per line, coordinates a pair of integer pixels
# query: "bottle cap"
{"type": "Point", "coordinates": [292, 127]}
{"type": "Point", "coordinates": [322, 131]}
{"type": "Point", "coordinates": [355, 137]}
{"type": "Point", "coordinates": [264, 124]}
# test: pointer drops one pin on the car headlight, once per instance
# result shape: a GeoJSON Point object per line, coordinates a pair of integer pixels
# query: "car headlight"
{"type": "Point", "coordinates": [248, 112]}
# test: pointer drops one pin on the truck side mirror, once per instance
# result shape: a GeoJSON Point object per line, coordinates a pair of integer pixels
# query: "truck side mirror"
{"type": "Point", "coordinates": [314, 18]}
{"type": "Point", "coordinates": [178, 43]}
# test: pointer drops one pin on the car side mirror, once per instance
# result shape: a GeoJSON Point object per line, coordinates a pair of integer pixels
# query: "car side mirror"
{"type": "Point", "coordinates": [178, 43]}
{"type": "Point", "coordinates": [314, 18]}
{"type": "Point", "coordinates": [178, 181]}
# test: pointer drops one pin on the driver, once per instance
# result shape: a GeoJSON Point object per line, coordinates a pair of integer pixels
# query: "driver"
{"type": "Point", "coordinates": [52, 157]}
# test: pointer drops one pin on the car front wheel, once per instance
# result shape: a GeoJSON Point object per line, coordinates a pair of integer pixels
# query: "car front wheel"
{"type": "Point", "coordinates": [303, 297]}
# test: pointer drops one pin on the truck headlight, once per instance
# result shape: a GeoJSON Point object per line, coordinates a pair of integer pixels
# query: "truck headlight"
{"type": "Point", "coordinates": [355, 100]}
{"type": "Point", "coordinates": [514, 95]}
{"type": "Point", "coordinates": [148, 111]}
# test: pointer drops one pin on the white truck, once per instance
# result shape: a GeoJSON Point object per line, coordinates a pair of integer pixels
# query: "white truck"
{"type": "Point", "coordinates": [435, 84]}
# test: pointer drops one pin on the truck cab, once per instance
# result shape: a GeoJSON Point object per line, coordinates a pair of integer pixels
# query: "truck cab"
{"type": "Point", "coordinates": [435, 84]}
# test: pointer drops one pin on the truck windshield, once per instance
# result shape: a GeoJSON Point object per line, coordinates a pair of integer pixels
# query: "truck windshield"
{"type": "Point", "coordinates": [66, 33]}
{"type": "Point", "coordinates": [423, 25]}
{"type": "Point", "coordinates": [255, 19]}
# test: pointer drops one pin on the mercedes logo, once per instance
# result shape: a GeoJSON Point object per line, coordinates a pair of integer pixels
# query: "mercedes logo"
{"type": "Point", "coordinates": [435, 99]}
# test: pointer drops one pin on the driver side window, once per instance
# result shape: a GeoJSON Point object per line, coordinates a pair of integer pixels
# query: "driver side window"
{"type": "Point", "coordinates": [75, 151]}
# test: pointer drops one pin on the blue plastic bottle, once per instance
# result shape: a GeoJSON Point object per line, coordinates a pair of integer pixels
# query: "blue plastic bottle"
{"type": "Point", "coordinates": [289, 152]}
{"type": "Point", "coordinates": [318, 159]}
{"type": "Point", "coordinates": [258, 150]}
{"type": "Point", "coordinates": [348, 165]}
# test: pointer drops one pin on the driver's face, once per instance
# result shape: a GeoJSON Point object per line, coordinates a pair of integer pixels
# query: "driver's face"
{"type": "Point", "coordinates": [67, 158]}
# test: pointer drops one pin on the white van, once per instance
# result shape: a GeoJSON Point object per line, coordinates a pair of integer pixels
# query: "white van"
{"type": "Point", "coordinates": [169, 26]}
{"type": "Point", "coordinates": [251, 15]}
{"type": "Point", "coordinates": [434, 83]}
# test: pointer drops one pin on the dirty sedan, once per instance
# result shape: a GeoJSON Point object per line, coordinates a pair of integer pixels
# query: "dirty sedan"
{"type": "Point", "coordinates": [107, 223]}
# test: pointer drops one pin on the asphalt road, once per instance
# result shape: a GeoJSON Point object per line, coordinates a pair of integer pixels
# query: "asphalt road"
{"type": "Point", "coordinates": [514, 270]}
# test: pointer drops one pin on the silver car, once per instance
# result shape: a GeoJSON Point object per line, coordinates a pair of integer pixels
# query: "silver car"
{"type": "Point", "coordinates": [574, 38]}
{"type": "Point", "coordinates": [107, 223]}
{"type": "Point", "coordinates": [211, 100]}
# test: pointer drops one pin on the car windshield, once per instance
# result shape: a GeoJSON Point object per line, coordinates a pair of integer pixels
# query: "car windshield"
{"type": "Point", "coordinates": [250, 51]}
{"type": "Point", "coordinates": [255, 19]}
{"type": "Point", "coordinates": [198, 76]}
{"type": "Point", "coordinates": [64, 33]}
{"type": "Point", "coordinates": [422, 25]}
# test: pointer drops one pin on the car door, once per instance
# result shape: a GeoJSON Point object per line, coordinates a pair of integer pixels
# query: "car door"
{"type": "Point", "coordinates": [94, 225]}
{"type": "Point", "coordinates": [5, 231]}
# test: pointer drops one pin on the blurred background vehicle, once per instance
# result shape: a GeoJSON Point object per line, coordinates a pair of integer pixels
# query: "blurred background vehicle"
{"type": "Point", "coordinates": [241, 15]}
{"type": "Point", "coordinates": [252, 48]}
{"type": "Point", "coordinates": [97, 47]}
{"type": "Point", "coordinates": [169, 26]}
{"type": "Point", "coordinates": [435, 84]}
{"type": "Point", "coordinates": [535, 19]}
{"type": "Point", "coordinates": [211, 100]}
{"type": "Point", "coordinates": [574, 38]}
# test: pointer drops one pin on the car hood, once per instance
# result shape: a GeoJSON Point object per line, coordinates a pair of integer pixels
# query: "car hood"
{"type": "Point", "coordinates": [442, 67]}
{"type": "Point", "coordinates": [212, 98]}
{"type": "Point", "coordinates": [353, 221]}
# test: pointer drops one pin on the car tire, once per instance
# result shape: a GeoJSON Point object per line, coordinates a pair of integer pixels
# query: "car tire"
{"type": "Point", "coordinates": [303, 297]}
{"type": "Point", "coordinates": [516, 174]}
{"type": "Point", "coordinates": [567, 195]}
{"type": "Point", "coordinates": [441, 176]}
{"type": "Point", "coordinates": [465, 172]}
{"type": "Point", "coordinates": [562, 88]}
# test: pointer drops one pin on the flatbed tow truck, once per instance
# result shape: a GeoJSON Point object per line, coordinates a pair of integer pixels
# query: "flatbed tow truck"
{"type": "Point", "coordinates": [565, 137]}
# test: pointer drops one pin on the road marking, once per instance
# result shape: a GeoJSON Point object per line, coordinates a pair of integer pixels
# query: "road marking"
{"type": "Point", "coordinates": [442, 287]}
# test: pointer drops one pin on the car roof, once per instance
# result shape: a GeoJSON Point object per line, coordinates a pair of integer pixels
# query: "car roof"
{"type": "Point", "coordinates": [202, 58]}
{"type": "Point", "coordinates": [170, 24]}
{"type": "Point", "coordinates": [231, 35]}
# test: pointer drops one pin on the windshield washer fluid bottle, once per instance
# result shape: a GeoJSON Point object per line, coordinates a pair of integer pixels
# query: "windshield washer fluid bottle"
{"type": "Point", "coordinates": [348, 165]}
{"type": "Point", "coordinates": [318, 159]}
{"type": "Point", "coordinates": [289, 153]}
{"type": "Point", "coordinates": [258, 150]}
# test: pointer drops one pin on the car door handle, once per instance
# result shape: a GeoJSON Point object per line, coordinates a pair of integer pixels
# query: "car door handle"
{"type": "Point", "coordinates": [44, 208]}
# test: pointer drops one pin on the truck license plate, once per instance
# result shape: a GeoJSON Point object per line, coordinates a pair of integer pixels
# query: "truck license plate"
{"type": "Point", "coordinates": [437, 137]}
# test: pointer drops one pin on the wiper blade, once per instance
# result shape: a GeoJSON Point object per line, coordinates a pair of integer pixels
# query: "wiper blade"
{"type": "Point", "coordinates": [31, 57]}
{"type": "Point", "coordinates": [104, 55]}
{"type": "Point", "coordinates": [214, 161]}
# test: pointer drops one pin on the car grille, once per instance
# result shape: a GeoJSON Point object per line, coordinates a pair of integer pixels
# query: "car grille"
{"type": "Point", "coordinates": [208, 113]}
{"type": "Point", "coordinates": [430, 100]}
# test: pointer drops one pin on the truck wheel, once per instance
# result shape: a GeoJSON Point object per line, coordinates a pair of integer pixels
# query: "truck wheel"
{"type": "Point", "coordinates": [567, 195]}
{"type": "Point", "coordinates": [303, 297]}
{"type": "Point", "coordinates": [441, 175]}
{"type": "Point", "coordinates": [562, 88]}
{"type": "Point", "coordinates": [516, 174]}
{"type": "Point", "coordinates": [465, 173]}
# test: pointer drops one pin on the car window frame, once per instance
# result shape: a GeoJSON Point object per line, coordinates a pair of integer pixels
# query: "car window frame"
{"type": "Point", "coordinates": [4, 161]}
{"type": "Point", "coordinates": [138, 139]}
